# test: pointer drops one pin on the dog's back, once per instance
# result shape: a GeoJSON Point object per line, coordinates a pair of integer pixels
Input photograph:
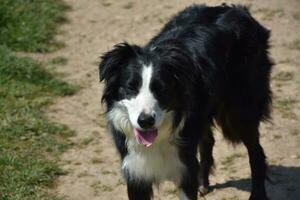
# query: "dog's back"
{"type": "Point", "coordinates": [232, 49]}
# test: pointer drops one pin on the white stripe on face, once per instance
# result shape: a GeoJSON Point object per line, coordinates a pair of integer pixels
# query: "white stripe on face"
{"type": "Point", "coordinates": [145, 97]}
{"type": "Point", "coordinates": [144, 101]}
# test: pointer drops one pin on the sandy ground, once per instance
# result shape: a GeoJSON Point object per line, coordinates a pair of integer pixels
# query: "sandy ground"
{"type": "Point", "coordinates": [92, 163]}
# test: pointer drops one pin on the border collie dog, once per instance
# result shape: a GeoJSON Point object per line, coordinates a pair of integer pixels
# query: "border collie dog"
{"type": "Point", "coordinates": [208, 65]}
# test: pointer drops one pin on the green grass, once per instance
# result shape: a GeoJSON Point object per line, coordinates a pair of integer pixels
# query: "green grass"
{"type": "Point", "coordinates": [230, 159]}
{"type": "Point", "coordinates": [86, 141]}
{"type": "Point", "coordinates": [128, 5]}
{"type": "Point", "coordinates": [23, 77]}
{"type": "Point", "coordinates": [284, 76]}
{"type": "Point", "coordinates": [294, 45]}
{"type": "Point", "coordinates": [29, 143]}
{"type": "Point", "coordinates": [30, 25]}
{"type": "Point", "coordinates": [59, 61]}
{"type": "Point", "coordinates": [285, 106]}
{"type": "Point", "coordinates": [106, 3]}
{"type": "Point", "coordinates": [100, 187]}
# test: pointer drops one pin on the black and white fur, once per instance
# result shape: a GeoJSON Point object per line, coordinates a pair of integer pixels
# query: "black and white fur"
{"type": "Point", "coordinates": [207, 64]}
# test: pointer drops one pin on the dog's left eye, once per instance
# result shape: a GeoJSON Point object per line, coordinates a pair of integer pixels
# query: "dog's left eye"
{"type": "Point", "coordinates": [132, 86]}
{"type": "Point", "coordinates": [131, 89]}
{"type": "Point", "coordinates": [127, 92]}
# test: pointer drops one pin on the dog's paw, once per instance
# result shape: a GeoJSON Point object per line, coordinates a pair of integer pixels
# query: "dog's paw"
{"type": "Point", "coordinates": [203, 190]}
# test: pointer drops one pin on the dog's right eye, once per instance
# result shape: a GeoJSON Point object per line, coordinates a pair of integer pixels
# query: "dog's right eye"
{"type": "Point", "coordinates": [131, 89]}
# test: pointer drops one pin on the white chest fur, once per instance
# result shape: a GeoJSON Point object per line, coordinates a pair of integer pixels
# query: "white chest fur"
{"type": "Point", "coordinates": [156, 163]}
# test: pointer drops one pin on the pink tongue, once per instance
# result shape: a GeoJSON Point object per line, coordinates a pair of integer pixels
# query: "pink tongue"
{"type": "Point", "coordinates": [145, 137]}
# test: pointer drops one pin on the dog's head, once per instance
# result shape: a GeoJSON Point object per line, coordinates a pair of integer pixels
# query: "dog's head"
{"type": "Point", "coordinates": [145, 89]}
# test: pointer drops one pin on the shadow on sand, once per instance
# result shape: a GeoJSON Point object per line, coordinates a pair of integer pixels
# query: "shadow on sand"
{"type": "Point", "coordinates": [284, 184]}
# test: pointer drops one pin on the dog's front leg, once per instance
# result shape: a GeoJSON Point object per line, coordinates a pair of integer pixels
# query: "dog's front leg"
{"type": "Point", "coordinates": [139, 190]}
{"type": "Point", "coordinates": [188, 188]}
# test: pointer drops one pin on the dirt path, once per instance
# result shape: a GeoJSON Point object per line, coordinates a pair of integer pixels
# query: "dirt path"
{"type": "Point", "coordinates": [92, 163]}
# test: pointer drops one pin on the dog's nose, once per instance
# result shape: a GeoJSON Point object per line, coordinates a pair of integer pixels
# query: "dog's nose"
{"type": "Point", "coordinates": [146, 120]}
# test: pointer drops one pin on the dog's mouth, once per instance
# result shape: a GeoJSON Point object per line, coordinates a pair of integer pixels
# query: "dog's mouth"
{"type": "Point", "coordinates": [145, 137]}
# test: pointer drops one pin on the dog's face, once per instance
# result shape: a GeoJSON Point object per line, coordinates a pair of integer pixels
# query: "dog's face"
{"type": "Point", "coordinates": [142, 93]}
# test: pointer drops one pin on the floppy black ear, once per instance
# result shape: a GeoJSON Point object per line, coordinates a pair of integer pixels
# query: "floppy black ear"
{"type": "Point", "coordinates": [116, 58]}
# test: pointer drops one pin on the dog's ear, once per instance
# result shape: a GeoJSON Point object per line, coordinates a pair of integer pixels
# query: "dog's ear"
{"type": "Point", "coordinates": [116, 58]}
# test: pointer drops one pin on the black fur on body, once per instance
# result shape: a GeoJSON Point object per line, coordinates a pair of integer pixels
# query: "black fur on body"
{"type": "Point", "coordinates": [209, 64]}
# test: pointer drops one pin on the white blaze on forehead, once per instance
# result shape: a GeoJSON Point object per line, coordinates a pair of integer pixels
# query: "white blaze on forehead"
{"type": "Point", "coordinates": [145, 96]}
{"type": "Point", "coordinates": [144, 101]}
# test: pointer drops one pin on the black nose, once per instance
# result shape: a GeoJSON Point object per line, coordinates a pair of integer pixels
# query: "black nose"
{"type": "Point", "coordinates": [146, 120]}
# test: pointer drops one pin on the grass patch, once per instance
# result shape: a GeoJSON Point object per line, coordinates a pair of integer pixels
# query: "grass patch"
{"type": "Point", "coordinates": [86, 141]}
{"type": "Point", "coordinates": [284, 61]}
{"type": "Point", "coordinates": [128, 5]}
{"type": "Point", "coordinates": [230, 159]}
{"type": "Point", "coordinates": [296, 16]}
{"type": "Point", "coordinates": [29, 144]}
{"type": "Point", "coordinates": [227, 163]}
{"type": "Point", "coordinates": [83, 174]}
{"type": "Point", "coordinates": [277, 137]}
{"type": "Point", "coordinates": [99, 187]}
{"type": "Point", "coordinates": [27, 25]}
{"type": "Point", "coordinates": [284, 76]}
{"type": "Point", "coordinates": [285, 107]}
{"type": "Point", "coordinates": [59, 61]}
{"type": "Point", "coordinates": [107, 172]}
{"type": "Point", "coordinates": [24, 77]}
{"type": "Point", "coordinates": [294, 45]}
{"type": "Point", "coordinates": [97, 161]}
{"type": "Point", "coordinates": [295, 132]}
{"type": "Point", "coordinates": [106, 3]}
